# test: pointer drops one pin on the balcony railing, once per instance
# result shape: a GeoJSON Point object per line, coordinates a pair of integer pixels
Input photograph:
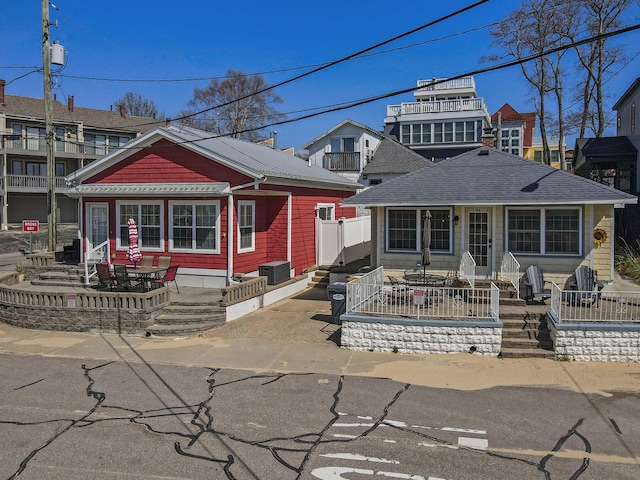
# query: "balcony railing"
{"type": "Point", "coordinates": [31, 183]}
{"type": "Point", "coordinates": [465, 83]}
{"type": "Point", "coordinates": [40, 145]}
{"type": "Point", "coordinates": [438, 106]}
{"type": "Point", "coordinates": [342, 161]}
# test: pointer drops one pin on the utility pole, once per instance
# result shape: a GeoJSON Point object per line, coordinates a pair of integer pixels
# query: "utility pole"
{"type": "Point", "coordinates": [50, 131]}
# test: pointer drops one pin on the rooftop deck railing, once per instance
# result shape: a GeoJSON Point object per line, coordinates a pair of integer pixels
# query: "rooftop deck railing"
{"type": "Point", "coordinates": [438, 106]}
{"type": "Point", "coordinates": [572, 306]}
{"type": "Point", "coordinates": [455, 84]}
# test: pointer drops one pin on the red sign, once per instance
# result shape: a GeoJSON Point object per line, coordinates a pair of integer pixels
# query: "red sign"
{"type": "Point", "coordinates": [30, 225]}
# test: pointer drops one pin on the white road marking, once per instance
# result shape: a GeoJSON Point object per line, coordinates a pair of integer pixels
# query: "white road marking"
{"type": "Point", "coordinates": [337, 435]}
{"type": "Point", "coordinates": [476, 443]}
{"type": "Point", "coordinates": [335, 473]}
{"type": "Point", "coordinates": [354, 456]}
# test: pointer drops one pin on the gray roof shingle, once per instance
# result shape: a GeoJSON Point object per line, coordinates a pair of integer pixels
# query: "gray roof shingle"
{"type": "Point", "coordinates": [392, 157]}
{"type": "Point", "coordinates": [488, 177]}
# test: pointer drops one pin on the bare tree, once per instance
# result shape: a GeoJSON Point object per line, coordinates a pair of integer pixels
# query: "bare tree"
{"type": "Point", "coordinates": [135, 104]}
{"type": "Point", "coordinates": [597, 58]}
{"type": "Point", "coordinates": [239, 105]}
{"type": "Point", "coordinates": [528, 31]}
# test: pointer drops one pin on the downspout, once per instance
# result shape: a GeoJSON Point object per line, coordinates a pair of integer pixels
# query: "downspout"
{"type": "Point", "coordinates": [612, 222]}
{"type": "Point", "coordinates": [5, 195]}
{"type": "Point", "coordinates": [230, 216]}
{"type": "Point", "coordinates": [591, 245]}
{"type": "Point", "coordinates": [229, 238]}
{"type": "Point", "coordinates": [289, 211]}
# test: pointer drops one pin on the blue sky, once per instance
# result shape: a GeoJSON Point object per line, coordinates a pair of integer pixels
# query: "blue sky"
{"type": "Point", "coordinates": [154, 40]}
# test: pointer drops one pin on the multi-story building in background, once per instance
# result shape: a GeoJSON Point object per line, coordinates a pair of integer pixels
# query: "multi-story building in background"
{"type": "Point", "coordinates": [446, 119]}
{"type": "Point", "coordinates": [82, 135]}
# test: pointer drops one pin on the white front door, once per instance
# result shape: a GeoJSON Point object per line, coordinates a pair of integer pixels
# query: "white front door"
{"type": "Point", "coordinates": [97, 230]}
{"type": "Point", "coordinates": [479, 240]}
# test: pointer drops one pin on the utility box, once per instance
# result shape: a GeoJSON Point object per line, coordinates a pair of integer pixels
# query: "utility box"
{"type": "Point", "coordinates": [276, 272]}
{"type": "Point", "coordinates": [337, 293]}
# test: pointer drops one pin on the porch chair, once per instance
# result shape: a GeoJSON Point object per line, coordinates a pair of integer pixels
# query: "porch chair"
{"type": "Point", "coordinates": [147, 261]}
{"type": "Point", "coordinates": [123, 280]}
{"type": "Point", "coordinates": [587, 287]}
{"type": "Point", "coordinates": [535, 283]}
{"type": "Point", "coordinates": [164, 262]}
{"type": "Point", "coordinates": [106, 281]}
{"type": "Point", "coordinates": [169, 276]}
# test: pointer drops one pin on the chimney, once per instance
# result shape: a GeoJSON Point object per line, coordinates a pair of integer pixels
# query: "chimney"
{"type": "Point", "coordinates": [167, 121]}
{"type": "Point", "coordinates": [123, 113]}
{"type": "Point", "coordinates": [2, 82]}
{"type": "Point", "coordinates": [488, 138]}
{"type": "Point", "coordinates": [70, 103]}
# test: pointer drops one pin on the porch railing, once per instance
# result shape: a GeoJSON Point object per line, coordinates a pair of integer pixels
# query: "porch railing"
{"type": "Point", "coordinates": [468, 268]}
{"type": "Point", "coordinates": [101, 253]}
{"type": "Point", "coordinates": [572, 306]}
{"type": "Point", "coordinates": [369, 295]}
{"type": "Point", "coordinates": [510, 270]}
{"type": "Point", "coordinates": [342, 161]}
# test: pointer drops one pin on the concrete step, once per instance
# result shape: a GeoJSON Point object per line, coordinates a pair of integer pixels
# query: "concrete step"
{"type": "Point", "coordinates": [192, 309]}
{"type": "Point", "coordinates": [540, 334]}
{"type": "Point", "coordinates": [162, 330]}
{"type": "Point", "coordinates": [527, 353]}
{"type": "Point", "coordinates": [188, 319]}
{"type": "Point", "coordinates": [526, 343]}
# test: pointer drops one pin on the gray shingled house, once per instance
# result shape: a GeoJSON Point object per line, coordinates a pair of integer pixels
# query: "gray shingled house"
{"type": "Point", "coordinates": [487, 202]}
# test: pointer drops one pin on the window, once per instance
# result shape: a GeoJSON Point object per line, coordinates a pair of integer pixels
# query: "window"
{"type": "Point", "coordinates": [375, 181]}
{"type": "Point", "coordinates": [194, 226]}
{"type": "Point", "coordinates": [95, 144]}
{"type": "Point", "coordinates": [470, 131]}
{"type": "Point", "coordinates": [537, 156]}
{"type": "Point", "coordinates": [148, 217]}
{"type": "Point", "coordinates": [116, 142]}
{"type": "Point", "coordinates": [550, 231]}
{"type": "Point", "coordinates": [346, 144]}
{"type": "Point", "coordinates": [246, 226]}
{"type": "Point", "coordinates": [404, 230]}
{"type": "Point", "coordinates": [405, 134]}
{"type": "Point", "coordinates": [510, 141]}
{"type": "Point", "coordinates": [325, 211]}
{"type": "Point", "coordinates": [633, 117]}
{"type": "Point", "coordinates": [37, 138]}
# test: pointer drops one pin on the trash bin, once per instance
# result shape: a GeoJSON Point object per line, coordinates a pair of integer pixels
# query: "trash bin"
{"type": "Point", "coordinates": [337, 293]}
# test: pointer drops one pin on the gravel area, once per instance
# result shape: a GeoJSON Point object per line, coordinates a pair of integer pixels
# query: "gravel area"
{"type": "Point", "coordinates": [14, 239]}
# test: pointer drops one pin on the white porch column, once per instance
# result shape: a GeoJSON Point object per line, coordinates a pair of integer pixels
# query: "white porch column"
{"type": "Point", "coordinates": [289, 211]}
{"type": "Point", "coordinates": [230, 216]}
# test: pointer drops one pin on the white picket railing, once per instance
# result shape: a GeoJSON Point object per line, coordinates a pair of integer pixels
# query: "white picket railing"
{"type": "Point", "coordinates": [438, 106]}
{"type": "Point", "coordinates": [510, 270]}
{"type": "Point", "coordinates": [468, 268]}
{"type": "Point", "coordinates": [369, 295]}
{"type": "Point", "coordinates": [572, 306]}
{"type": "Point", "coordinates": [101, 253]}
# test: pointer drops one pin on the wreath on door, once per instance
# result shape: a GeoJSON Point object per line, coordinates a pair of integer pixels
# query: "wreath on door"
{"type": "Point", "coordinates": [599, 236]}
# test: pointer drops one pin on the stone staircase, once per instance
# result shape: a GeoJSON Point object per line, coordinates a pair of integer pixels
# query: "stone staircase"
{"type": "Point", "coordinates": [62, 276]}
{"type": "Point", "coordinates": [187, 318]}
{"type": "Point", "coordinates": [524, 332]}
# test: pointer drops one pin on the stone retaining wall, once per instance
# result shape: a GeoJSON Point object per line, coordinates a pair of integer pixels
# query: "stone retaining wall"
{"type": "Point", "coordinates": [110, 312]}
{"type": "Point", "coordinates": [595, 342]}
{"type": "Point", "coordinates": [420, 336]}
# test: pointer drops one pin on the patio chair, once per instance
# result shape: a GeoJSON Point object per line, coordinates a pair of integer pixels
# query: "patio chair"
{"type": "Point", "coordinates": [106, 281]}
{"type": "Point", "coordinates": [169, 276]}
{"type": "Point", "coordinates": [587, 287]}
{"type": "Point", "coordinates": [147, 261]}
{"type": "Point", "coordinates": [164, 262]}
{"type": "Point", "coordinates": [123, 280]}
{"type": "Point", "coordinates": [535, 283]}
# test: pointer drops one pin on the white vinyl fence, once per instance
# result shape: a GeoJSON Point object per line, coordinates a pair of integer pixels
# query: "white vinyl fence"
{"type": "Point", "coordinates": [343, 241]}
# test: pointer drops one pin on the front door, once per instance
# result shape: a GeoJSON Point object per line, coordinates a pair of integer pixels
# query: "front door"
{"type": "Point", "coordinates": [479, 240]}
{"type": "Point", "coordinates": [97, 230]}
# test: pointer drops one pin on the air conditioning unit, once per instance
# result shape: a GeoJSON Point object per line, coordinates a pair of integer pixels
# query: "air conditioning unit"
{"type": "Point", "coordinates": [276, 272]}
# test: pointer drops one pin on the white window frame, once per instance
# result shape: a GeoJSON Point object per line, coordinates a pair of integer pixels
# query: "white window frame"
{"type": "Point", "coordinates": [252, 204]}
{"type": "Point", "coordinates": [418, 213]}
{"type": "Point", "coordinates": [119, 227]}
{"type": "Point", "coordinates": [321, 206]}
{"type": "Point", "coordinates": [216, 226]}
{"type": "Point", "coordinates": [543, 226]}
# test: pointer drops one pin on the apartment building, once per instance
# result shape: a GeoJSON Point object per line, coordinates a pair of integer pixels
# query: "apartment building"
{"type": "Point", "coordinates": [82, 135]}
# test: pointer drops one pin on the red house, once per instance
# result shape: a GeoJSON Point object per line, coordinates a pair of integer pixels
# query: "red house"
{"type": "Point", "coordinates": [216, 205]}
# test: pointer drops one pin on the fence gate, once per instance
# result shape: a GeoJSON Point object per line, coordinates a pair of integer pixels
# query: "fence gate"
{"type": "Point", "coordinates": [339, 242]}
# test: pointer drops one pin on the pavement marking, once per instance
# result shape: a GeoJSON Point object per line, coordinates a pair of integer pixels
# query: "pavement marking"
{"type": "Point", "coordinates": [356, 456]}
{"type": "Point", "coordinates": [475, 443]}
{"type": "Point", "coordinates": [337, 435]}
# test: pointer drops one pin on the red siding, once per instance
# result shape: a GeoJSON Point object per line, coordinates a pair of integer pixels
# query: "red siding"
{"type": "Point", "coordinates": [168, 163]}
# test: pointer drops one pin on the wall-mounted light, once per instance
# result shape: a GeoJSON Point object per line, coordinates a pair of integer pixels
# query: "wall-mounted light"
{"type": "Point", "coordinates": [456, 218]}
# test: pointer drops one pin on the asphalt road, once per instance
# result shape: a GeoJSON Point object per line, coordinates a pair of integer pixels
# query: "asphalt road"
{"type": "Point", "coordinates": [75, 419]}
